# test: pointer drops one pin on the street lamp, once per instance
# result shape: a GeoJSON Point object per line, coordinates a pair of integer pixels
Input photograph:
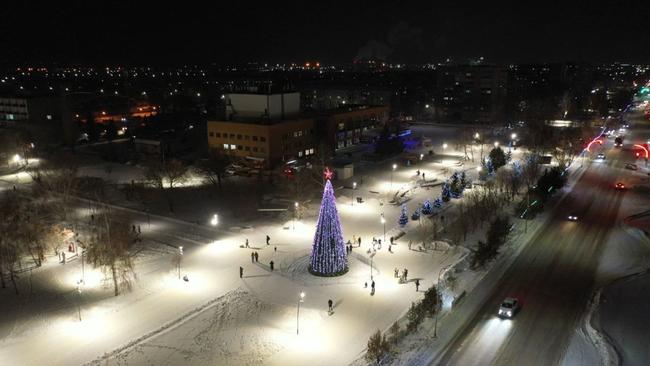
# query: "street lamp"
{"type": "Point", "coordinates": [435, 327]}
{"type": "Point", "coordinates": [421, 157]}
{"type": "Point", "coordinates": [383, 222]}
{"type": "Point", "coordinates": [79, 302]}
{"type": "Point", "coordinates": [300, 300]}
{"type": "Point", "coordinates": [391, 176]}
{"type": "Point", "coordinates": [512, 138]}
{"type": "Point", "coordinates": [496, 144]}
{"type": "Point", "coordinates": [444, 146]}
{"type": "Point", "coordinates": [354, 187]}
{"type": "Point", "coordinates": [295, 214]}
{"type": "Point", "coordinates": [477, 136]}
{"type": "Point", "coordinates": [215, 220]}
{"type": "Point", "coordinates": [180, 256]}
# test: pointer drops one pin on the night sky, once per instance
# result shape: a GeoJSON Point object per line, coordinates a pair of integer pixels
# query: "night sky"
{"type": "Point", "coordinates": [179, 32]}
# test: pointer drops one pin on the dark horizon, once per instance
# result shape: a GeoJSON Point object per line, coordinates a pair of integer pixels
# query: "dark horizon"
{"type": "Point", "coordinates": [147, 33]}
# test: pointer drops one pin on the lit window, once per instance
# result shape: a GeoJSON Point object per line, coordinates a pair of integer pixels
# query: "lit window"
{"type": "Point", "coordinates": [300, 154]}
{"type": "Point", "coordinates": [226, 146]}
{"type": "Point", "coordinates": [233, 147]}
{"type": "Point", "coordinates": [49, 117]}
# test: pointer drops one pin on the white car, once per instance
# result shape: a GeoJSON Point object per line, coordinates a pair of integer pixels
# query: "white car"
{"type": "Point", "coordinates": [600, 156]}
{"type": "Point", "coordinates": [509, 307]}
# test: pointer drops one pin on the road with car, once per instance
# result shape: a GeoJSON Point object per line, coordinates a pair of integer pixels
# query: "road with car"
{"type": "Point", "coordinates": [553, 276]}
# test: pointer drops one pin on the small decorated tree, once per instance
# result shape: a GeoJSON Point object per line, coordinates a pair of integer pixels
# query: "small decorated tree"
{"type": "Point", "coordinates": [463, 180]}
{"type": "Point", "coordinates": [427, 209]}
{"type": "Point", "coordinates": [403, 217]}
{"type": "Point", "coordinates": [446, 192]}
{"type": "Point", "coordinates": [416, 215]}
{"type": "Point", "coordinates": [437, 203]}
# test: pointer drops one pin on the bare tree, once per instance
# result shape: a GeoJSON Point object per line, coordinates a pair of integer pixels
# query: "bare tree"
{"type": "Point", "coordinates": [213, 169]}
{"type": "Point", "coordinates": [58, 175]}
{"type": "Point", "coordinates": [112, 248]}
{"type": "Point", "coordinates": [173, 172]}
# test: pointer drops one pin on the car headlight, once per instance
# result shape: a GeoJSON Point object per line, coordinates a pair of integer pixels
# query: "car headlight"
{"type": "Point", "coordinates": [509, 313]}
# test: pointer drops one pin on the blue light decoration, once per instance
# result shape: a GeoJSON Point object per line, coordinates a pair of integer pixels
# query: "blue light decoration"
{"type": "Point", "coordinates": [437, 203]}
{"type": "Point", "coordinates": [403, 217]}
{"type": "Point", "coordinates": [416, 215]}
{"type": "Point", "coordinates": [446, 192]}
{"type": "Point", "coordinates": [328, 256]}
{"type": "Point", "coordinates": [426, 207]}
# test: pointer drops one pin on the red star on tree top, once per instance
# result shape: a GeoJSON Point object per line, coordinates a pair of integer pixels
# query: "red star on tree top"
{"type": "Point", "coordinates": [328, 173]}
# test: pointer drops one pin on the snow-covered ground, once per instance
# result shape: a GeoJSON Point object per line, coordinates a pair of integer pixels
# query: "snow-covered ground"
{"type": "Point", "coordinates": [216, 317]}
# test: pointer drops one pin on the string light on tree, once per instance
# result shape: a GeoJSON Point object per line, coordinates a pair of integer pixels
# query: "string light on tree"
{"type": "Point", "coordinates": [328, 256]}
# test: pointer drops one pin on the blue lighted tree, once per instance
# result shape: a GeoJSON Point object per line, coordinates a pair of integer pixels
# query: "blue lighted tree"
{"type": "Point", "coordinates": [328, 255]}
{"type": "Point", "coordinates": [446, 192]}
{"type": "Point", "coordinates": [403, 217]}
{"type": "Point", "coordinates": [455, 187]}
{"type": "Point", "coordinates": [463, 179]}
{"type": "Point", "coordinates": [426, 207]}
{"type": "Point", "coordinates": [437, 203]}
{"type": "Point", "coordinates": [416, 215]}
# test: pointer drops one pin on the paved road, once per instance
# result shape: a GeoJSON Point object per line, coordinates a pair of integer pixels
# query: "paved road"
{"type": "Point", "coordinates": [553, 277]}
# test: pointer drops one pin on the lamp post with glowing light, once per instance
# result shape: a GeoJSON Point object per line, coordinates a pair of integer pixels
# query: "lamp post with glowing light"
{"type": "Point", "coordinates": [295, 214]}
{"type": "Point", "coordinates": [79, 302]}
{"type": "Point", "coordinates": [435, 327]}
{"type": "Point", "coordinates": [301, 299]}
{"type": "Point", "coordinates": [496, 144]}
{"type": "Point", "coordinates": [354, 188]}
{"type": "Point", "coordinates": [215, 220]}
{"type": "Point", "coordinates": [512, 140]}
{"type": "Point", "coordinates": [391, 176]}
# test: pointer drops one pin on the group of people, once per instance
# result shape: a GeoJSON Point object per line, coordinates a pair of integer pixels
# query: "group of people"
{"type": "Point", "coordinates": [255, 256]}
{"type": "Point", "coordinates": [403, 276]}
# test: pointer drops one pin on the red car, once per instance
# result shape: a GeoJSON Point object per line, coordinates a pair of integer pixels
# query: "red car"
{"type": "Point", "coordinates": [619, 186]}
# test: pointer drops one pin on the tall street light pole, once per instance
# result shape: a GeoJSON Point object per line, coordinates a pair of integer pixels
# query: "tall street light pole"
{"type": "Point", "coordinates": [354, 188]}
{"type": "Point", "coordinates": [435, 326]}
{"type": "Point", "coordinates": [215, 220]}
{"type": "Point", "coordinates": [295, 214]}
{"type": "Point", "coordinates": [300, 300]}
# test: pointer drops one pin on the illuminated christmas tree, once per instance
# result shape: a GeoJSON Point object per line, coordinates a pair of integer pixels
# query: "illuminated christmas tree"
{"type": "Point", "coordinates": [403, 217]}
{"type": "Point", "coordinates": [427, 209]}
{"type": "Point", "coordinates": [328, 254]}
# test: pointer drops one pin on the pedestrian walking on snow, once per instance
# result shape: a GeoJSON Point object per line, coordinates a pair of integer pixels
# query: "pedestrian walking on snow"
{"type": "Point", "coordinates": [252, 257]}
{"type": "Point", "coordinates": [246, 242]}
{"type": "Point", "coordinates": [329, 305]}
{"type": "Point", "coordinates": [417, 285]}
{"type": "Point", "coordinates": [410, 243]}
{"type": "Point", "coordinates": [275, 249]}
{"type": "Point", "coordinates": [271, 265]}
{"type": "Point", "coordinates": [268, 239]}
{"type": "Point", "coordinates": [396, 272]}
{"type": "Point", "coordinates": [359, 241]}
{"type": "Point", "coordinates": [391, 240]}
{"type": "Point", "coordinates": [241, 272]}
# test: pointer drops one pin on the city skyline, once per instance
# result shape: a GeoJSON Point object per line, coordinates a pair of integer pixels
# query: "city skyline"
{"type": "Point", "coordinates": [159, 34]}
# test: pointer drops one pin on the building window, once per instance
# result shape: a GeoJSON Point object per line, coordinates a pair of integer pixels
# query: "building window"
{"type": "Point", "coordinates": [341, 125]}
{"type": "Point", "coordinates": [211, 134]}
{"type": "Point", "coordinates": [226, 146]}
{"type": "Point", "coordinates": [311, 151]}
{"type": "Point", "coordinates": [247, 148]}
{"type": "Point", "coordinates": [238, 137]}
{"type": "Point", "coordinates": [261, 149]}
{"type": "Point", "coordinates": [254, 149]}
{"type": "Point", "coordinates": [232, 135]}
{"type": "Point", "coordinates": [218, 134]}
{"type": "Point", "coordinates": [246, 137]}
{"type": "Point", "coordinates": [263, 139]}
{"type": "Point", "coordinates": [49, 117]}
{"type": "Point", "coordinates": [254, 138]}
{"type": "Point", "coordinates": [300, 154]}
{"type": "Point", "coordinates": [239, 147]}
{"type": "Point", "coordinates": [233, 147]}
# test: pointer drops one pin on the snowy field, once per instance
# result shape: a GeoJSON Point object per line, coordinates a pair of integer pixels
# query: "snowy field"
{"type": "Point", "coordinates": [216, 317]}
